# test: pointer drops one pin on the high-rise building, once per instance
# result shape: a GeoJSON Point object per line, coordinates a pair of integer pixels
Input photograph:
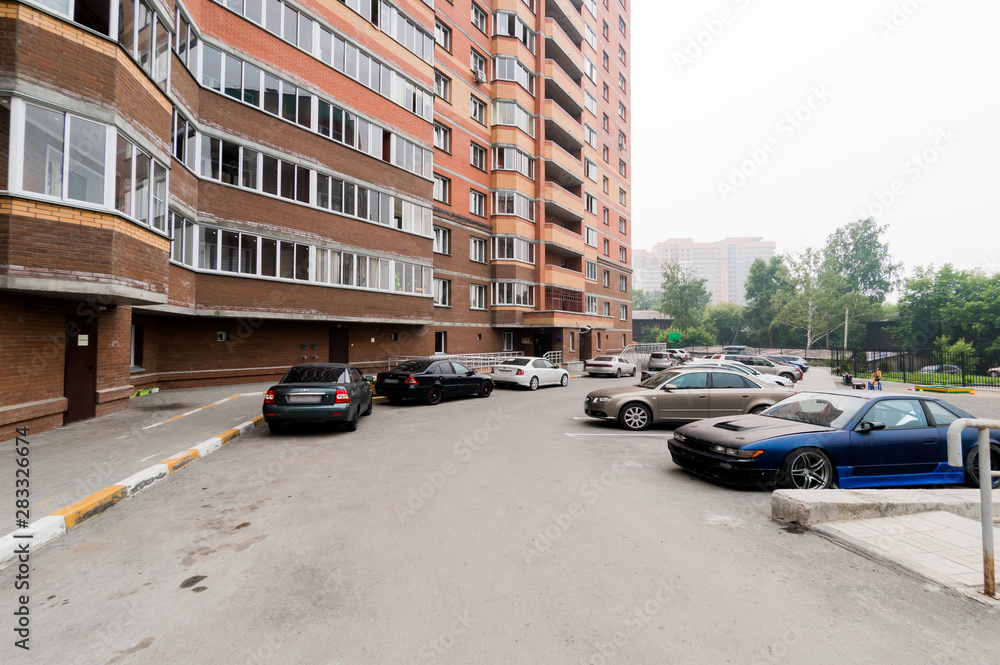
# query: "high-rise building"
{"type": "Point", "coordinates": [724, 265]}
{"type": "Point", "coordinates": [197, 192]}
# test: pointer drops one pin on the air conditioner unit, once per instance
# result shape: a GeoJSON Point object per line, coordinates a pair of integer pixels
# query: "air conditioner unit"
{"type": "Point", "coordinates": [479, 75]}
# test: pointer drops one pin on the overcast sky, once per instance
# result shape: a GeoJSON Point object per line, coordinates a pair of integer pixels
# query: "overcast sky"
{"type": "Point", "coordinates": [798, 116]}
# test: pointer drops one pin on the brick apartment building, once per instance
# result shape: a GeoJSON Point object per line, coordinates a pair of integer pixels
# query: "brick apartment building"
{"type": "Point", "coordinates": [194, 192]}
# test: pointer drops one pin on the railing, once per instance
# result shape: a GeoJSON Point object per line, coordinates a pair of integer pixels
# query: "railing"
{"type": "Point", "coordinates": [986, 475]}
{"type": "Point", "coordinates": [554, 357]}
{"type": "Point", "coordinates": [477, 361]}
{"type": "Point", "coordinates": [967, 369]}
{"type": "Point", "coordinates": [638, 353]}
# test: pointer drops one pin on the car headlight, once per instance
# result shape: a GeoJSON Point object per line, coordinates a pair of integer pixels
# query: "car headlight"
{"type": "Point", "coordinates": [601, 400]}
{"type": "Point", "coordinates": [737, 452]}
{"type": "Point", "coordinates": [679, 437]}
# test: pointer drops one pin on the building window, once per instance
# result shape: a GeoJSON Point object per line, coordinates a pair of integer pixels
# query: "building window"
{"type": "Point", "coordinates": [442, 240]}
{"type": "Point", "coordinates": [590, 169]}
{"type": "Point", "coordinates": [597, 335]}
{"type": "Point", "coordinates": [513, 203]}
{"type": "Point", "coordinates": [477, 62]}
{"type": "Point", "coordinates": [621, 110]}
{"type": "Point", "coordinates": [440, 341]}
{"type": "Point", "coordinates": [513, 293]}
{"type": "Point", "coordinates": [442, 35]}
{"type": "Point", "coordinates": [606, 282]}
{"type": "Point", "coordinates": [607, 92]}
{"type": "Point", "coordinates": [623, 315]}
{"type": "Point", "coordinates": [511, 69]}
{"type": "Point", "coordinates": [621, 54]}
{"type": "Point", "coordinates": [477, 203]}
{"type": "Point", "coordinates": [607, 308]}
{"type": "Point", "coordinates": [604, 29]}
{"type": "Point", "coordinates": [590, 202]}
{"type": "Point", "coordinates": [604, 153]}
{"type": "Point", "coordinates": [590, 135]}
{"type": "Point", "coordinates": [477, 296]}
{"type": "Point", "coordinates": [622, 283]}
{"type": "Point", "coordinates": [592, 307]}
{"type": "Point", "coordinates": [506, 24]}
{"type": "Point", "coordinates": [479, 17]}
{"type": "Point", "coordinates": [477, 110]}
{"type": "Point", "coordinates": [621, 81]}
{"type": "Point", "coordinates": [442, 137]}
{"type": "Point", "coordinates": [513, 249]}
{"type": "Point", "coordinates": [442, 86]}
{"type": "Point", "coordinates": [590, 102]}
{"type": "Point", "coordinates": [605, 61]}
{"type": "Point", "coordinates": [442, 189]}
{"type": "Point", "coordinates": [477, 250]}
{"type": "Point", "coordinates": [513, 114]}
{"type": "Point", "coordinates": [572, 341]}
{"type": "Point", "coordinates": [508, 341]}
{"type": "Point", "coordinates": [590, 69]}
{"type": "Point", "coordinates": [512, 159]}
{"type": "Point", "coordinates": [606, 247]}
{"type": "Point", "coordinates": [590, 36]}
{"type": "Point", "coordinates": [605, 215]}
{"type": "Point", "coordinates": [606, 123]}
{"type": "Point", "coordinates": [478, 156]}
{"type": "Point", "coordinates": [621, 225]}
{"type": "Point", "coordinates": [621, 196]}
{"type": "Point", "coordinates": [621, 25]}
{"type": "Point", "coordinates": [442, 292]}
{"type": "Point", "coordinates": [622, 168]}
{"type": "Point", "coordinates": [623, 255]}
{"type": "Point", "coordinates": [590, 270]}
{"type": "Point", "coordinates": [590, 236]}
{"type": "Point", "coordinates": [622, 141]}
{"type": "Point", "coordinates": [605, 184]}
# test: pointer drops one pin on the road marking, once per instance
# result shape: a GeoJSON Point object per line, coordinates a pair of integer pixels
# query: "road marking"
{"type": "Point", "coordinates": [202, 408]}
{"type": "Point", "coordinates": [52, 499]}
{"type": "Point", "coordinates": [150, 457]}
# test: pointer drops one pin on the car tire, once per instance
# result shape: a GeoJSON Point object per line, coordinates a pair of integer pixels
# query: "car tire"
{"type": "Point", "coordinates": [806, 469]}
{"type": "Point", "coordinates": [564, 381]}
{"type": "Point", "coordinates": [757, 409]}
{"type": "Point", "coordinates": [618, 372]}
{"type": "Point", "coordinates": [533, 384]}
{"type": "Point", "coordinates": [435, 395]}
{"type": "Point", "coordinates": [972, 465]}
{"type": "Point", "coordinates": [276, 426]}
{"type": "Point", "coordinates": [394, 399]}
{"type": "Point", "coordinates": [486, 389]}
{"type": "Point", "coordinates": [635, 417]}
{"type": "Point", "coordinates": [352, 424]}
{"type": "Point", "coordinates": [633, 372]}
{"type": "Point", "coordinates": [788, 376]}
{"type": "Point", "coordinates": [371, 405]}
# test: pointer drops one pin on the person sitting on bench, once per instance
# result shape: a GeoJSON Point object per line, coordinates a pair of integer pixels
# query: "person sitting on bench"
{"type": "Point", "coordinates": [876, 382]}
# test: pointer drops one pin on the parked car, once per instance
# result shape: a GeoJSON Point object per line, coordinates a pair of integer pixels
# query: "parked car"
{"type": "Point", "coordinates": [529, 372]}
{"type": "Point", "coordinates": [737, 349]}
{"type": "Point", "coordinates": [679, 354]}
{"type": "Point", "coordinates": [764, 365]}
{"type": "Point", "coordinates": [318, 392]}
{"type": "Point", "coordinates": [679, 395]}
{"type": "Point", "coordinates": [940, 369]}
{"type": "Point", "coordinates": [815, 440]}
{"type": "Point", "coordinates": [993, 371]}
{"type": "Point", "coordinates": [799, 362]}
{"type": "Point", "coordinates": [661, 360]}
{"type": "Point", "coordinates": [743, 369]}
{"type": "Point", "coordinates": [431, 381]}
{"type": "Point", "coordinates": [609, 366]}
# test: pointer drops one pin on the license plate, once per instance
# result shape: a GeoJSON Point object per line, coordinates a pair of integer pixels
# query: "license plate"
{"type": "Point", "coordinates": [391, 381]}
{"type": "Point", "coordinates": [305, 399]}
{"type": "Point", "coordinates": [504, 371]}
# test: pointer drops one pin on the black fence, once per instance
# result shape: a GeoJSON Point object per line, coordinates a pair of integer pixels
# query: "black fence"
{"type": "Point", "coordinates": [973, 370]}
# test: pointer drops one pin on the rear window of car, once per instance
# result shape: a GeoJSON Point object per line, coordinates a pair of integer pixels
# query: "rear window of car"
{"type": "Point", "coordinates": [516, 361]}
{"type": "Point", "coordinates": [658, 355]}
{"type": "Point", "coordinates": [317, 375]}
{"type": "Point", "coordinates": [414, 366]}
{"type": "Point", "coordinates": [604, 358]}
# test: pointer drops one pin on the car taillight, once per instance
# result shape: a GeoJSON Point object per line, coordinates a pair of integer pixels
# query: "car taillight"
{"type": "Point", "coordinates": [269, 397]}
{"type": "Point", "coordinates": [410, 381]}
{"type": "Point", "coordinates": [520, 372]}
{"type": "Point", "coordinates": [342, 396]}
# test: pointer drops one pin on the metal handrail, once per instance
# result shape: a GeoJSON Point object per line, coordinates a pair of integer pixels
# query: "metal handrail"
{"type": "Point", "coordinates": [554, 357]}
{"type": "Point", "coordinates": [986, 475]}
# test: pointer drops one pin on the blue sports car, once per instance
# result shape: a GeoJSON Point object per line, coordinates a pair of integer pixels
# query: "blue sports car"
{"type": "Point", "coordinates": [816, 440]}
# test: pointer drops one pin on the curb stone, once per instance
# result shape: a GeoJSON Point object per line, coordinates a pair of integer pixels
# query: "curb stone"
{"type": "Point", "coordinates": [47, 529]}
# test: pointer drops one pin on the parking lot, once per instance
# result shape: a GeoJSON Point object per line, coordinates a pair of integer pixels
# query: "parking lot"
{"type": "Point", "coordinates": [507, 529]}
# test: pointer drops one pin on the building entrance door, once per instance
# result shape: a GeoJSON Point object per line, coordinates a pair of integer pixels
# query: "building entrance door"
{"type": "Point", "coordinates": [340, 345]}
{"type": "Point", "coordinates": [80, 372]}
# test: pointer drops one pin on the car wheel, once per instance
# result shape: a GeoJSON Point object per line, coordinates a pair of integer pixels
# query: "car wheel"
{"type": "Point", "coordinates": [533, 384]}
{"type": "Point", "coordinates": [633, 372]}
{"type": "Point", "coordinates": [395, 399]}
{"type": "Point", "coordinates": [276, 426]}
{"type": "Point", "coordinates": [352, 424]}
{"type": "Point", "coordinates": [618, 372]}
{"type": "Point", "coordinates": [806, 469]}
{"type": "Point", "coordinates": [635, 417]}
{"type": "Point", "coordinates": [789, 377]}
{"type": "Point", "coordinates": [564, 381]}
{"type": "Point", "coordinates": [486, 389]}
{"type": "Point", "coordinates": [435, 395]}
{"type": "Point", "coordinates": [757, 409]}
{"type": "Point", "coordinates": [972, 465]}
{"type": "Point", "coordinates": [371, 405]}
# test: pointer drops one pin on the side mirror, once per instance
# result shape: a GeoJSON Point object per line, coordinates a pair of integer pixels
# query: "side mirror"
{"type": "Point", "coordinates": [867, 426]}
{"type": "Point", "coordinates": [470, 372]}
{"type": "Point", "coordinates": [668, 387]}
{"type": "Point", "coordinates": [369, 378]}
{"type": "Point", "coordinates": [644, 376]}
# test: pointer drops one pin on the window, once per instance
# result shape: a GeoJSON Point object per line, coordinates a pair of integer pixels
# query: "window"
{"type": "Point", "coordinates": [442, 240]}
{"type": "Point", "coordinates": [590, 135]}
{"type": "Point", "coordinates": [477, 296]}
{"type": "Point", "coordinates": [442, 292]}
{"type": "Point", "coordinates": [604, 152]}
{"type": "Point", "coordinates": [479, 17]}
{"type": "Point", "coordinates": [621, 54]}
{"type": "Point", "coordinates": [513, 203]}
{"type": "Point", "coordinates": [606, 247]}
{"type": "Point", "coordinates": [604, 29]}
{"type": "Point", "coordinates": [442, 189]}
{"type": "Point", "coordinates": [605, 184]}
{"type": "Point", "coordinates": [572, 341]}
{"type": "Point", "coordinates": [623, 315]}
{"type": "Point", "coordinates": [622, 283]}
{"type": "Point", "coordinates": [513, 293]}
{"type": "Point", "coordinates": [590, 169]}
{"type": "Point", "coordinates": [512, 113]}
{"type": "Point", "coordinates": [442, 86]}
{"type": "Point", "coordinates": [621, 81]}
{"type": "Point", "coordinates": [477, 62]}
{"type": "Point", "coordinates": [897, 414]}
{"type": "Point", "coordinates": [512, 159]}
{"type": "Point", "coordinates": [621, 196]}
{"type": "Point", "coordinates": [508, 341]}
{"type": "Point", "coordinates": [440, 341]}
{"type": "Point", "coordinates": [590, 236]}
{"type": "Point", "coordinates": [442, 137]}
{"type": "Point", "coordinates": [590, 270]}
{"type": "Point", "coordinates": [622, 169]}
{"type": "Point", "coordinates": [605, 122]}
{"type": "Point", "coordinates": [621, 225]}
{"type": "Point", "coordinates": [606, 281]}
{"type": "Point", "coordinates": [590, 36]}
{"type": "Point", "coordinates": [590, 202]}
{"type": "Point", "coordinates": [621, 111]}
{"type": "Point", "coordinates": [607, 308]}
{"type": "Point", "coordinates": [511, 69]}
{"type": "Point", "coordinates": [477, 203]}
{"type": "Point", "coordinates": [605, 61]}
{"type": "Point", "coordinates": [506, 24]}
{"type": "Point", "coordinates": [606, 91]}
{"type": "Point", "coordinates": [623, 255]}
{"type": "Point", "coordinates": [590, 69]}
{"type": "Point", "coordinates": [477, 250]}
{"type": "Point", "coordinates": [592, 309]}
{"type": "Point", "coordinates": [621, 25]}
{"type": "Point", "coordinates": [442, 35]}
{"type": "Point", "coordinates": [605, 215]}
{"type": "Point", "coordinates": [477, 110]}
{"type": "Point", "coordinates": [515, 249]}
{"type": "Point", "coordinates": [597, 335]}
{"type": "Point", "coordinates": [590, 102]}
{"type": "Point", "coordinates": [478, 156]}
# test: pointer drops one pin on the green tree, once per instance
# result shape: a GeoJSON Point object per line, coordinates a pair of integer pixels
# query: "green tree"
{"type": "Point", "coordinates": [646, 299]}
{"type": "Point", "coordinates": [694, 336]}
{"type": "Point", "coordinates": [857, 253]}
{"type": "Point", "coordinates": [801, 307]}
{"type": "Point", "coordinates": [952, 303]}
{"type": "Point", "coordinates": [725, 322]}
{"type": "Point", "coordinates": [684, 296]}
{"type": "Point", "coordinates": [765, 284]}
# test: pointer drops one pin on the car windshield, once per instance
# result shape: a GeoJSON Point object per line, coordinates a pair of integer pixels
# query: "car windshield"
{"type": "Point", "coordinates": [826, 410]}
{"type": "Point", "coordinates": [517, 361]}
{"type": "Point", "coordinates": [657, 380]}
{"type": "Point", "coordinates": [604, 358]}
{"type": "Point", "coordinates": [317, 375]}
{"type": "Point", "coordinates": [414, 366]}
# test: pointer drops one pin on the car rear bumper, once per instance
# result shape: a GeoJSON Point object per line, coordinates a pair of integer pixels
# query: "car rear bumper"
{"type": "Point", "coordinates": [515, 380]}
{"type": "Point", "coordinates": [307, 412]}
{"type": "Point", "coordinates": [722, 468]}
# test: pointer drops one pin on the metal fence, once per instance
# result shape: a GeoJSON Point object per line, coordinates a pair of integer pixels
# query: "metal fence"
{"type": "Point", "coordinates": [971, 369]}
{"type": "Point", "coordinates": [477, 361]}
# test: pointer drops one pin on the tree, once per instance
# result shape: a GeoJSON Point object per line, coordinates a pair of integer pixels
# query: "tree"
{"type": "Point", "coordinates": [696, 336]}
{"type": "Point", "coordinates": [646, 299]}
{"type": "Point", "coordinates": [765, 284]}
{"type": "Point", "coordinates": [857, 253]}
{"type": "Point", "coordinates": [684, 296]}
{"type": "Point", "coordinates": [951, 303]}
{"type": "Point", "coordinates": [725, 321]}
{"type": "Point", "coordinates": [808, 298]}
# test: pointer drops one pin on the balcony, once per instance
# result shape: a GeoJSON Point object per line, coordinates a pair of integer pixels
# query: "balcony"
{"type": "Point", "coordinates": [562, 204]}
{"type": "Point", "coordinates": [562, 167]}
{"type": "Point", "coordinates": [567, 16]}
{"type": "Point", "coordinates": [560, 240]}
{"type": "Point", "coordinates": [562, 128]}
{"type": "Point", "coordinates": [563, 277]}
{"type": "Point", "coordinates": [559, 86]}
{"type": "Point", "coordinates": [561, 48]}
{"type": "Point", "coordinates": [554, 318]}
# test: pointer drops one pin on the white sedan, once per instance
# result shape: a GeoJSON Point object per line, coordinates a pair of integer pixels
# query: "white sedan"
{"type": "Point", "coordinates": [529, 372]}
{"type": "Point", "coordinates": [609, 366]}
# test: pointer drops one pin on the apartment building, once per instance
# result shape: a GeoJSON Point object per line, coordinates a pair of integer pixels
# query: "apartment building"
{"type": "Point", "coordinates": [197, 192]}
{"type": "Point", "coordinates": [724, 264]}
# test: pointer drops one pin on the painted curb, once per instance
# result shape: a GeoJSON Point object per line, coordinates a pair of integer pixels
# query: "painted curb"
{"type": "Point", "coordinates": [48, 528]}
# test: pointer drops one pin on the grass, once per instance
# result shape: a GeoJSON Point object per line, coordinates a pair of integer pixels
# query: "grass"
{"type": "Point", "coordinates": [935, 379]}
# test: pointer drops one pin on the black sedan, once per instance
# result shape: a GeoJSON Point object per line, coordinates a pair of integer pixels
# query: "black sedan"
{"type": "Point", "coordinates": [319, 392]}
{"type": "Point", "coordinates": [431, 381]}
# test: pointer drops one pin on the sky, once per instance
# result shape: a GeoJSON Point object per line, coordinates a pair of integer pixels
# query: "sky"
{"type": "Point", "coordinates": [789, 118]}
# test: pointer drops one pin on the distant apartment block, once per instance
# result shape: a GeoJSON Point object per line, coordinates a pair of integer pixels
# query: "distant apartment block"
{"type": "Point", "coordinates": [724, 265]}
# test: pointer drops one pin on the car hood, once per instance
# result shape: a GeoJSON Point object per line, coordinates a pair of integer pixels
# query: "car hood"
{"type": "Point", "coordinates": [742, 430]}
{"type": "Point", "coordinates": [620, 391]}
